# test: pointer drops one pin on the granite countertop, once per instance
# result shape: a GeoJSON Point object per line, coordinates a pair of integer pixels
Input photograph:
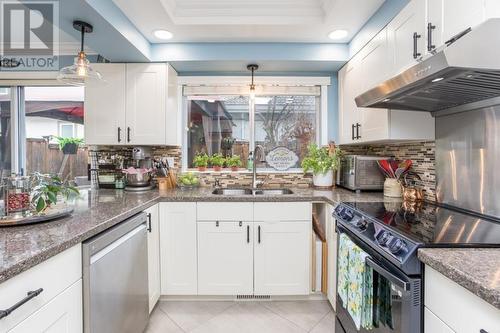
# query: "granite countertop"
{"type": "Point", "coordinates": [23, 247]}
{"type": "Point", "coordinates": [477, 270]}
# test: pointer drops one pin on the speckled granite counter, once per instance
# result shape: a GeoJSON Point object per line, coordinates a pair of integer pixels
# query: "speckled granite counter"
{"type": "Point", "coordinates": [477, 270]}
{"type": "Point", "coordinates": [25, 246]}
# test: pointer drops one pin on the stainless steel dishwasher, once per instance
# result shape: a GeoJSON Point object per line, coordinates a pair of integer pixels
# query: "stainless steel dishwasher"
{"type": "Point", "coordinates": [115, 279]}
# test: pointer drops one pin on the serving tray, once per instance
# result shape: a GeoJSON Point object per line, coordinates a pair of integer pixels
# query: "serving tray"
{"type": "Point", "coordinates": [31, 218]}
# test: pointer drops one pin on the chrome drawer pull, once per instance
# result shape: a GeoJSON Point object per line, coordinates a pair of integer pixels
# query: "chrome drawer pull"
{"type": "Point", "coordinates": [30, 295]}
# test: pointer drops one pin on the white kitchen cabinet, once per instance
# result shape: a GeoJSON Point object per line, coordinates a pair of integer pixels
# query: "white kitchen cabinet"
{"type": "Point", "coordinates": [135, 104]}
{"type": "Point", "coordinates": [450, 17]}
{"type": "Point", "coordinates": [153, 255]}
{"type": "Point", "coordinates": [63, 314]}
{"type": "Point", "coordinates": [406, 31]}
{"type": "Point", "coordinates": [225, 258]}
{"type": "Point", "coordinates": [456, 307]}
{"type": "Point", "coordinates": [178, 263]}
{"type": "Point", "coordinates": [282, 253]}
{"type": "Point", "coordinates": [432, 324]}
{"type": "Point", "coordinates": [54, 276]}
{"type": "Point", "coordinates": [349, 88]}
{"type": "Point", "coordinates": [104, 118]}
{"type": "Point", "coordinates": [331, 239]}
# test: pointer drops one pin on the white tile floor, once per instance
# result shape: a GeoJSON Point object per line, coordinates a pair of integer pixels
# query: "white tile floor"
{"type": "Point", "coordinates": [242, 317]}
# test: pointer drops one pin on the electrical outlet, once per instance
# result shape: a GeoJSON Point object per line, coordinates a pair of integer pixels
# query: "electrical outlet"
{"type": "Point", "coordinates": [170, 161]}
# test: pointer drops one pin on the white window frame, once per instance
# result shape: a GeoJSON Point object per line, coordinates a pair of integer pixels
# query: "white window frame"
{"type": "Point", "coordinates": [62, 123]}
{"type": "Point", "coordinates": [239, 85]}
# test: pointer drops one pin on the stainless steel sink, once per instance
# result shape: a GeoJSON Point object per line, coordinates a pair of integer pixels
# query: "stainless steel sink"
{"type": "Point", "coordinates": [249, 191]}
{"type": "Point", "coordinates": [274, 191]}
{"type": "Point", "coordinates": [233, 191]}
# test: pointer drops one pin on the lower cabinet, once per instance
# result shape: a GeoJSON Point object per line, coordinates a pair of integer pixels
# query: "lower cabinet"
{"type": "Point", "coordinates": [282, 257]}
{"type": "Point", "coordinates": [153, 256]}
{"type": "Point", "coordinates": [225, 258]}
{"type": "Point", "coordinates": [178, 248]}
{"type": "Point", "coordinates": [331, 239]}
{"type": "Point", "coordinates": [433, 324]}
{"type": "Point", "coordinates": [63, 314]}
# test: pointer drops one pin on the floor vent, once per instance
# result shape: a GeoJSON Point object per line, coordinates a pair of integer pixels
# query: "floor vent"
{"type": "Point", "coordinates": [250, 297]}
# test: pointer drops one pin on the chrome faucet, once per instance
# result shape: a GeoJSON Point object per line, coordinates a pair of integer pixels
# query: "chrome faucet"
{"type": "Point", "coordinates": [258, 155]}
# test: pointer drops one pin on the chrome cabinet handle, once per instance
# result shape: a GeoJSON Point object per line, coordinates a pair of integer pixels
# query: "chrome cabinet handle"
{"type": "Point", "coordinates": [482, 331]}
{"type": "Point", "coordinates": [258, 234]}
{"type": "Point", "coordinates": [128, 134]}
{"type": "Point", "coordinates": [29, 296]}
{"type": "Point", "coordinates": [248, 234]}
{"type": "Point", "coordinates": [358, 125]}
{"type": "Point", "coordinates": [430, 46]}
{"type": "Point", "coordinates": [216, 223]}
{"type": "Point", "coordinates": [119, 134]}
{"type": "Point", "coordinates": [352, 131]}
{"type": "Point", "coordinates": [416, 54]}
{"type": "Point", "coordinates": [149, 222]}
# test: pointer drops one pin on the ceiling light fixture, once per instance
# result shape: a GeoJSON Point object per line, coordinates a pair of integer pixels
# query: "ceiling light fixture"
{"type": "Point", "coordinates": [80, 71]}
{"type": "Point", "coordinates": [163, 34]}
{"type": "Point", "coordinates": [338, 34]}
{"type": "Point", "coordinates": [253, 68]}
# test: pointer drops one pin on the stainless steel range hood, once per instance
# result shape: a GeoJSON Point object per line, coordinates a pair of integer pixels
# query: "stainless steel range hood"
{"type": "Point", "coordinates": [464, 71]}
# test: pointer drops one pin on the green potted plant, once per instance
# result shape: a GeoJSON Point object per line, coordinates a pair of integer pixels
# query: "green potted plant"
{"type": "Point", "coordinates": [322, 161]}
{"type": "Point", "coordinates": [46, 188]}
{"type": "Point", "coordinates": [201, 161]}
{"type": "Point", "coordinates": [234, 162]}
{"type": "Point", "coordinates": [217, 161]}
{"type": "Point", "coordinates": [69, 146]}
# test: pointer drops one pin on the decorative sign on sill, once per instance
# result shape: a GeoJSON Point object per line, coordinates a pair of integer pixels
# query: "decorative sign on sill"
{"type": "Point", "coordinates": [282, 158]}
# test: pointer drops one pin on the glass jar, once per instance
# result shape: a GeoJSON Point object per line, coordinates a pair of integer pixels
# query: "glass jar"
{"type": "Point", "coordinates": [17, 195]}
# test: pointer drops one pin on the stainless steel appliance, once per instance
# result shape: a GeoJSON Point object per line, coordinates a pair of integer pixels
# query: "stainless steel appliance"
{"type": "Point", "coordinates": [115, 279]}
{"type": "Point", "coordinates": [391, 233]}
{"type": "Point", "coordinates": [360, 172]}
{"type": "Point", "coordinates": [141, 181]}
{"type": "Point", "coordinates": [465, 70]}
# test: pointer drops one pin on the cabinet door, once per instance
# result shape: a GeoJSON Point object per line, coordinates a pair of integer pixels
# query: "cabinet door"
{"type": "Point", "coordinates": [432, 324]}
{"type": "Point", "coordinates": [178, 248]}
{"type": "Point", "coordinates": [146, 104]}
{"type": "Point", "coordinates": [401, 30]}
{"type": "Point", "coordinates": [153, 256]}
{"type": "Point", "coordinates": [349, 89]}
{"type": "Point", "coordinates": [331, 238]}
{"type": "Point", "coordinates": [375, 69]}
{"type": "Point", "coordinates": [174, 125]}
{"type": "Point", "coordinates": [450, 17]}
{"type": "Point", "coordinates": [105, 106]}
{"type": "Point", "coordinates": [282, 253]}
{"type": "Point", "coordinates": [63, 314]}
{"type": "Point", "coordinates": [225, 258]}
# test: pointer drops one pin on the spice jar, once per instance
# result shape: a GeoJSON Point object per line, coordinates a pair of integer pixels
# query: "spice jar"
{"type": "Point", "coordinates": [17, 195]}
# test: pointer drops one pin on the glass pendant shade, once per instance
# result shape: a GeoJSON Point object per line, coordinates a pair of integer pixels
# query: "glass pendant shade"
{"type": "Point", "coordinates": [78, 73]}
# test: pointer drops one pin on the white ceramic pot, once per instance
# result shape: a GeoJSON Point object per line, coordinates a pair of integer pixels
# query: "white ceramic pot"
{"type": "Point", "coordinates": [323, 180]}
{"type": "Point", "coordinates": [392, 188]}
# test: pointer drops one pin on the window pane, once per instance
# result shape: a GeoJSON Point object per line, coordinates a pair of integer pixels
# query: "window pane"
{"type": "Point", "coordinates": [285, 121]}
{"type": "Point", "coordinates": [218, 124]}
{"type": "Point", "coordinates": [5, 132]}
{"type": "Point", "coordinates": [52, 112]}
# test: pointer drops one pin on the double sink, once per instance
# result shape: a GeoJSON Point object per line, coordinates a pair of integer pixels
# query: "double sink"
{"type": "Point", "coordinates": [252, 191]}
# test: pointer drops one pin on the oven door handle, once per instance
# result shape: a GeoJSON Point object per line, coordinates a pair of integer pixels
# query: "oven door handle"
{"type": "Point", "coordinates": [388, 275]}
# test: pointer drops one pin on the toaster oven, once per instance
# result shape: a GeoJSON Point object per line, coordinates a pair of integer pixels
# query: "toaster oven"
{"type": "Point", "coordinates": [360, 172]}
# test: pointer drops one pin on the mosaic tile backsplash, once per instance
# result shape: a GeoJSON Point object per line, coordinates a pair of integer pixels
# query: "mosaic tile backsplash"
{"type": "Point", "coordinates": [421, 153]}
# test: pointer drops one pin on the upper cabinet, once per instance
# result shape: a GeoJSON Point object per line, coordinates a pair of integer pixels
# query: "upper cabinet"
{"type": "Point", "coordinates": [135, 104]}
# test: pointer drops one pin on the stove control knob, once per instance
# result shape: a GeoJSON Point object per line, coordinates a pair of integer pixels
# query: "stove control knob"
{"type": "Point", "coordinates": [361, 223]}
{"type": "Point", "coordinates": [383, 237]}
{"type": "Point", "coordinates": [397, 246]}
{"type": "Point", "coordinates": [347, 214]}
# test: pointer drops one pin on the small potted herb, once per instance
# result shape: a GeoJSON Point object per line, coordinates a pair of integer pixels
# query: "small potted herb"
{"type": "Point", "coordinates": [217, 161]}
{"type": "Point", "coordinates": [201, 161]}
{"type": "Point", "coordinates": [69, 146]}
{"type": "Point", "coordinates": [322, 161]}
{"type": "Point", "coordinates": [234, 162]}
{"type": "Point", "coordinates": [46, 188]}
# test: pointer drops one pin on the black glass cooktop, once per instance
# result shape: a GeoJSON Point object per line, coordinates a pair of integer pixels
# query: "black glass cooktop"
{"type": "Point", "coordinates": [432, 225]}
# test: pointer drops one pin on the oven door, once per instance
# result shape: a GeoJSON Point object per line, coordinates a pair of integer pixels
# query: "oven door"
{"type": "Point", "coordinates": [403, 314]}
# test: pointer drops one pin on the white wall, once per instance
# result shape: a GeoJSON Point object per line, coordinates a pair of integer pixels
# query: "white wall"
{"type": "Point", "coordinates": [37, 127]}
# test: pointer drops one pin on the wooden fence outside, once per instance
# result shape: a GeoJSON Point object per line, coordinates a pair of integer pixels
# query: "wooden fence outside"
{"type": "Point", "coordinates": [46, 157]}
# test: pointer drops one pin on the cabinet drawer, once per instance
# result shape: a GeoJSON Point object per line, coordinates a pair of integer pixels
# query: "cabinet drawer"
{"type": "Point", "coordinates": [224, 211]}
{"type": "Point", "coordinates": [282, 211]}
{"type": "Point", "coordinates": [456, 306]}
{"type": "Point", "coordinates": [433, 324]}
{"type": "Point", "coordinates": [53, 275]}
{"type": "Point", "coordinates": [63, 314]}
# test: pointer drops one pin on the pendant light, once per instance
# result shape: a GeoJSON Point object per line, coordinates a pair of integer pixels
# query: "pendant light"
{"type": "Point", "coordinates": [78, 73]}
{"type": "Point", "coordinates": [253, 68]}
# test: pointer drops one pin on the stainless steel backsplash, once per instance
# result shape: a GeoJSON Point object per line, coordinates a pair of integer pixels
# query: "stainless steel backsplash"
{"type": "Point", "coordinates": [468, 160]}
